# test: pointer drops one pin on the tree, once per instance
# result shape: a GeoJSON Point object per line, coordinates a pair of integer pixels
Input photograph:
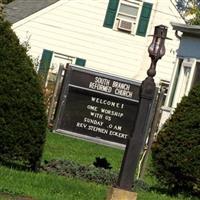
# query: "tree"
{"type": "Point", "coordinates": [176, 153]}
{"type": "Point", "coordinates": [190, 10]}
{"type": "Point", "coordinates": [193, 12]}
{"type": "Point", "coordinates": [22, 110]}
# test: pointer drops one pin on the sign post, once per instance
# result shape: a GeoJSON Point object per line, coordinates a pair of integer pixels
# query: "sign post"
{"type": "Point", "coordinates": [136, 140]}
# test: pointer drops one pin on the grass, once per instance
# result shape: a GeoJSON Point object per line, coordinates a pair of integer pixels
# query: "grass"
{"type": "Point", "coordinates": [83, 152]}
{"type": "Point", "coordinates": [42, 186]}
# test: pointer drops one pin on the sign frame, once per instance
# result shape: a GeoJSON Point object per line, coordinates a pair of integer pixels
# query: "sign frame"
{"type": "Point", "coordinates": [70, 81]}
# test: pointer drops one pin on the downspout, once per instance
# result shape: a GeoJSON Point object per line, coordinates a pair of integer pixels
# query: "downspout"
{"type": "Point", "coordinates": [176, 34]}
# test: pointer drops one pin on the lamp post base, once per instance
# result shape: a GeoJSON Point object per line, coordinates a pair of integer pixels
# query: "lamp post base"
{"type": "Point", "coordinates": [120, 194]}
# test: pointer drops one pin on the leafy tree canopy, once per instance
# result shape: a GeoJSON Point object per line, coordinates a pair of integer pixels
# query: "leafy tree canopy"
{"type": "Point", "coordinates": [190, 10]}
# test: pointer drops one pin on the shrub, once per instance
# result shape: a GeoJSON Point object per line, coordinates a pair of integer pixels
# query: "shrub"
{"type": "Point", "coordinates": [176, 153]}
{"type": "Point", "coordinates": [22, 111]}
{"type": "Point", "coordinates": [88, 172]}
{"type": "Point", "coordinates": [73, 169]}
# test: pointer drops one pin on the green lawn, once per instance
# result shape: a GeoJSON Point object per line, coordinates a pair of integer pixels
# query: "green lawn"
{"type": "Point", "coordinates": [48, 187]}
{"type": "Point", "coordinates": [61, 147]}
{"type": "Point", "coordinates": [42, 186]}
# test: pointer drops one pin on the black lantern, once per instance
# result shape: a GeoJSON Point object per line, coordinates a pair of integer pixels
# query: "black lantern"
{"type": "Point", "coordinates": [157, 47]}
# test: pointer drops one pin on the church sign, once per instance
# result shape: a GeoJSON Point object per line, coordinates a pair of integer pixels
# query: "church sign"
{"type": "Point", "coordinates": [97, 106]}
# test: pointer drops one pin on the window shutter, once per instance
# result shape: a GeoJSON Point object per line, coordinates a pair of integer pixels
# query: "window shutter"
{"type": "Point", "coordinates": [111, 13]}
{"type": "Point", "coordinates": [80, 62]}
{"type": "Point", "coordinates": [45, 63]}
{"type": "Point", "coordinates": [144, 19]}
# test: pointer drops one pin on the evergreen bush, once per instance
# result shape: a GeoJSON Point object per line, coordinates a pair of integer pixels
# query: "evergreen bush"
{"type": "Point", "coordinates": [22, 110]}
{"type": "Point", "coordinates": [176, 153]}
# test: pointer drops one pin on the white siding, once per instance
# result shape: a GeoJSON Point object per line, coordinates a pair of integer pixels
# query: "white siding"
{"type": "Point", "coordinates": [75, 28]}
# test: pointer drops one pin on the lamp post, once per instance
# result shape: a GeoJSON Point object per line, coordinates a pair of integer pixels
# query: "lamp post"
{"type": "Point", "coordinates": [147, 91]}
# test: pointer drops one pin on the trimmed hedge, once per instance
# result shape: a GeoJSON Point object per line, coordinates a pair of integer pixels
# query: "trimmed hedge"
{"type": "Point", "coordinates": [176, 153]}
{"type": "Point", "coordinates": [22, 110]}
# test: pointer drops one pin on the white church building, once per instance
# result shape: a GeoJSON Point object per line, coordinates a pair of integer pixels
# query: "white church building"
{"type": "Point", "coordinates": [111, 36]}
